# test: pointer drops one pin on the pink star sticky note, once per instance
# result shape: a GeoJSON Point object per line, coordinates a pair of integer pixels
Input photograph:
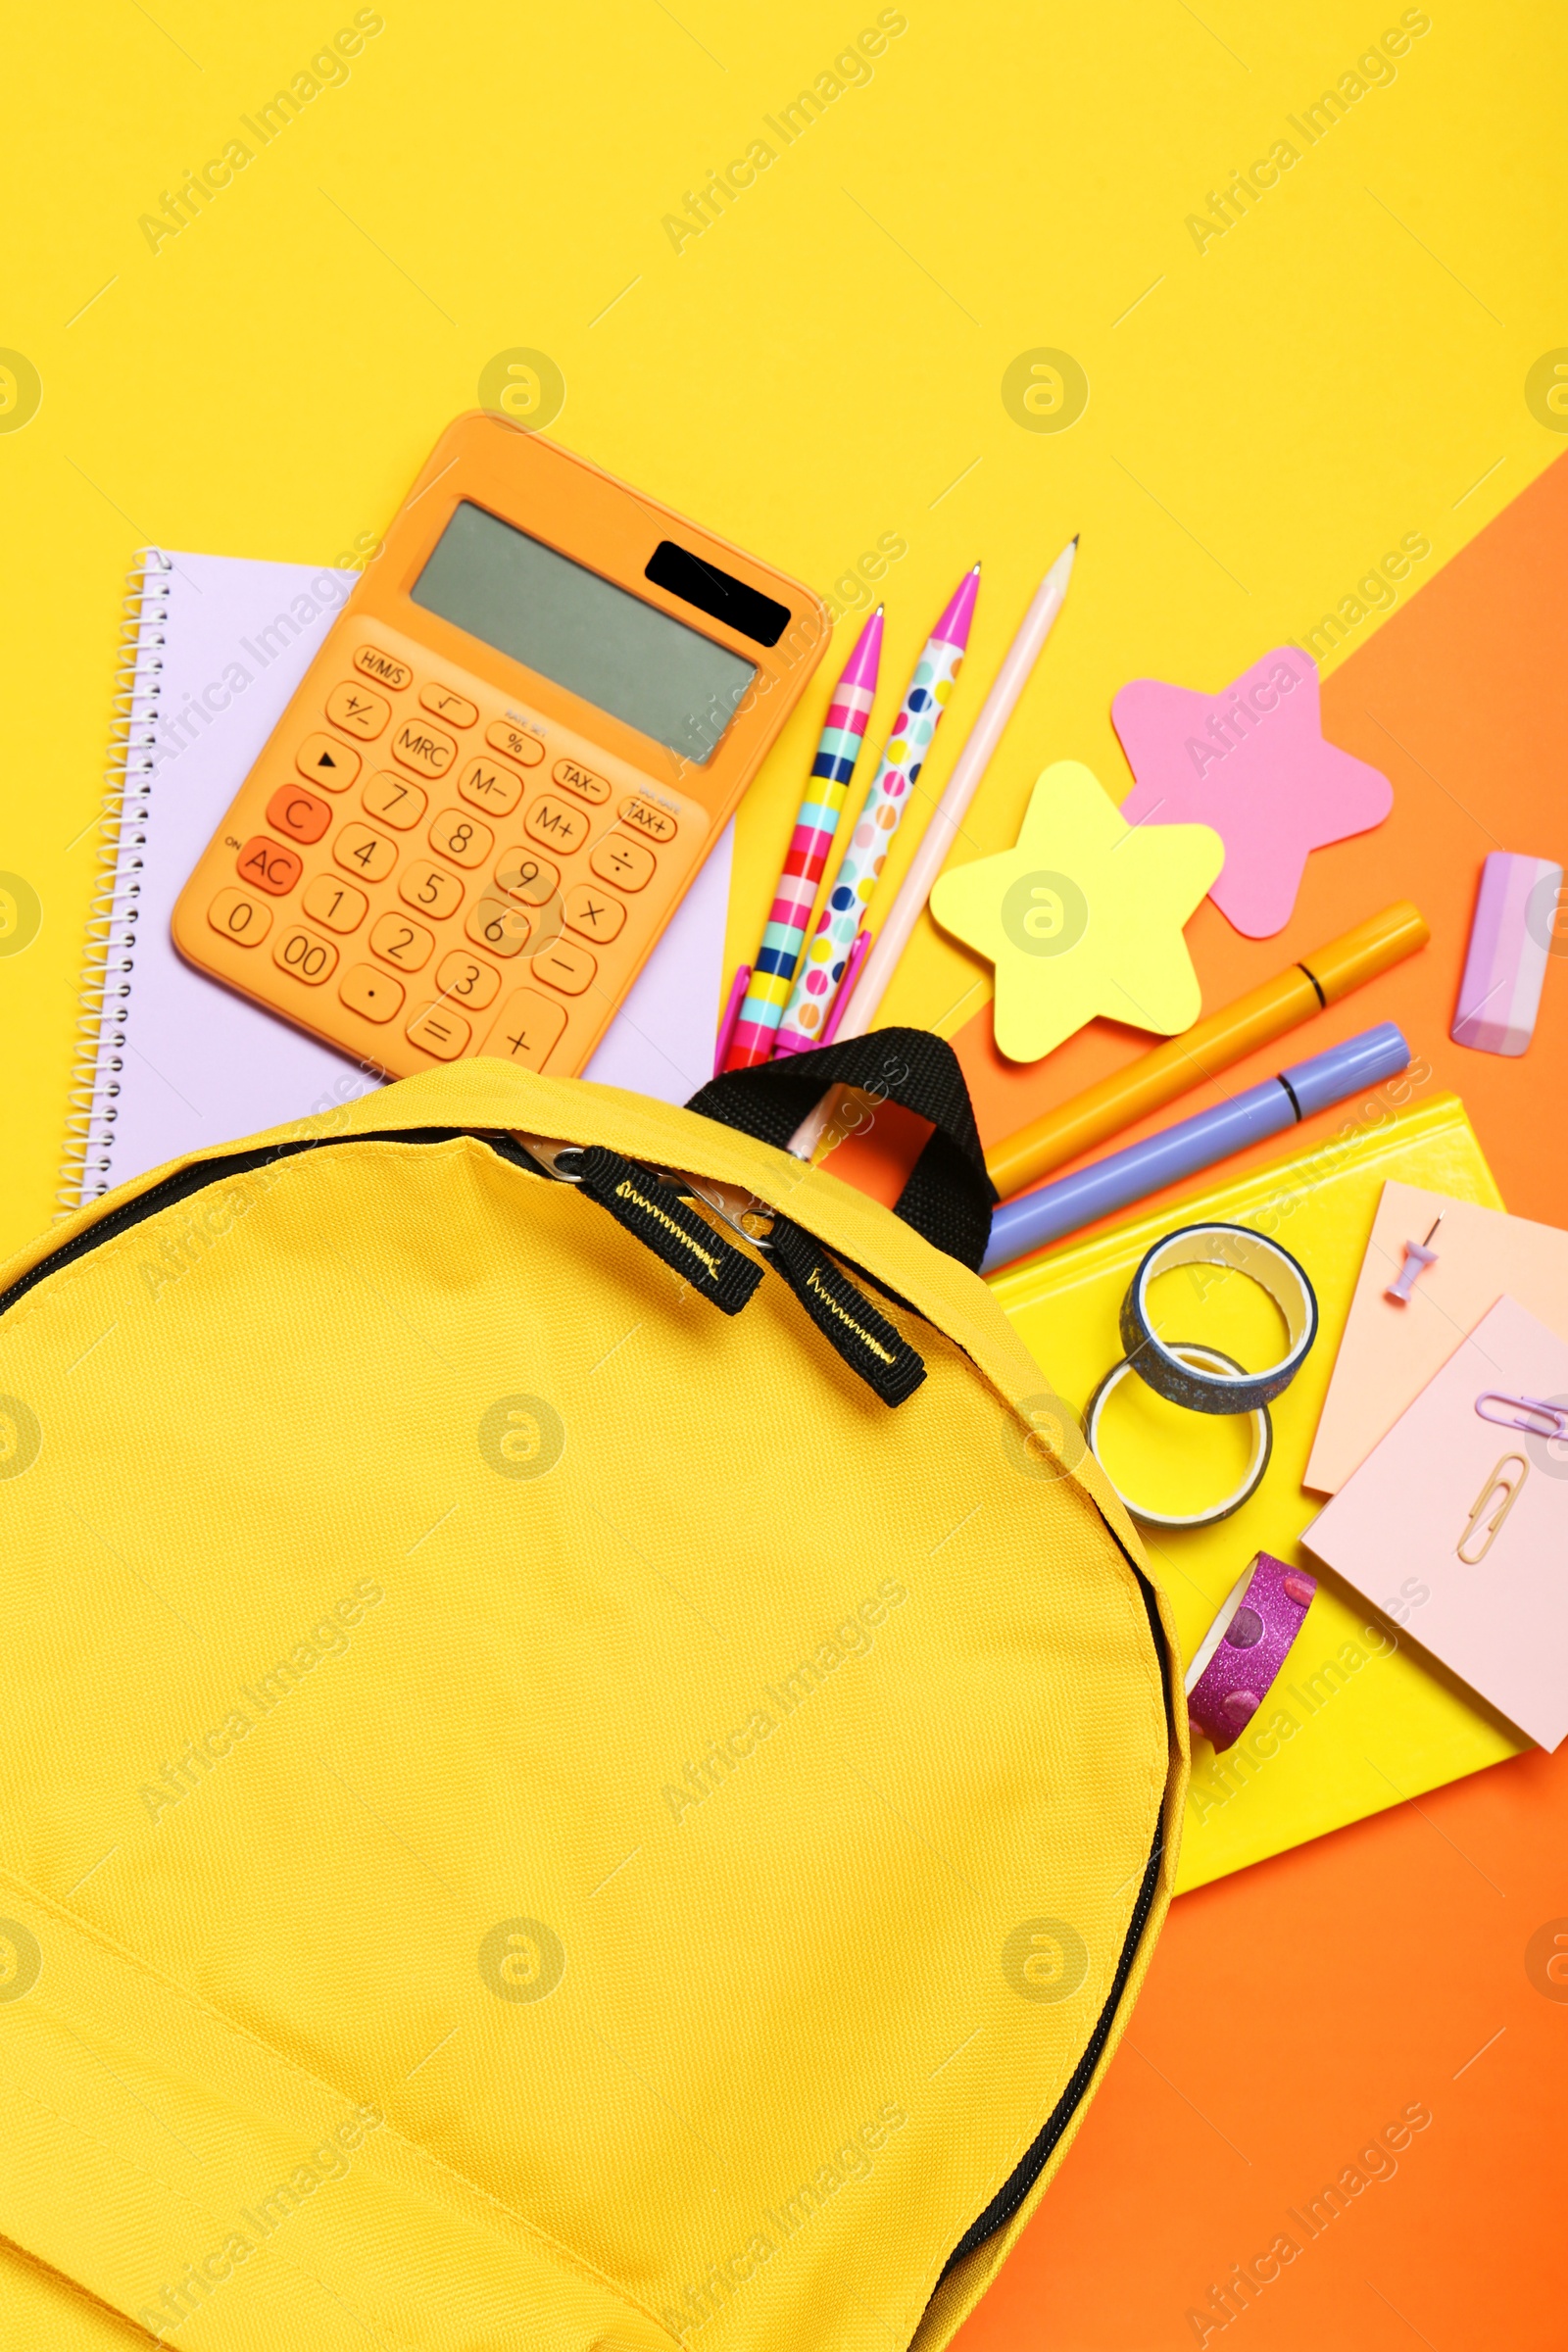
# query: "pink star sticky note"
{"type": "Point", "coordinates": [1250, 762]}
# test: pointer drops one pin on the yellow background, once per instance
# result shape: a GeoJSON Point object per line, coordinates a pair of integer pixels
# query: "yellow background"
{"type": "Point", "coordinates": [820, 367]}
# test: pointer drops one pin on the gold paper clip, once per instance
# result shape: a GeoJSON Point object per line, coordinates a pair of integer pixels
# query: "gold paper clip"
{"type": "Point", "coordinates": [1504, 1480]}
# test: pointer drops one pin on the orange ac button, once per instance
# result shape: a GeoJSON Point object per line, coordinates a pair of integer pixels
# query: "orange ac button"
{"type": "Point", "coordinates": [514, 743]}
{"type": "Point", "coordinates": [383, 667]}
{"type": "Point", "coordinates": [268, 866]}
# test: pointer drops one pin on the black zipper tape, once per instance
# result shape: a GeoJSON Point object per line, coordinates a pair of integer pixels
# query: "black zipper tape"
{"type": "Point", "coordinates": [657, 1217]}
{"type": "Point", "coordinates": [1013, 2190]}
{"type": "Point", "coordinates": [845, 1316]}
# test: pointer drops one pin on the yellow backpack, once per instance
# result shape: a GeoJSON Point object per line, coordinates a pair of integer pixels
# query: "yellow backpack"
{"type": "Point", "coordinates": [589, 1763]}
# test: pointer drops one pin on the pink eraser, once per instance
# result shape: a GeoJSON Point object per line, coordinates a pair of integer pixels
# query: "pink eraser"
{"type": "Point", "coordinates": [1510, 940]}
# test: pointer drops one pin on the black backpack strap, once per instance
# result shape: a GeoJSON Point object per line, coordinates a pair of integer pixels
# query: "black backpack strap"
{"type": "Point", "coordinates": [949, 1198]}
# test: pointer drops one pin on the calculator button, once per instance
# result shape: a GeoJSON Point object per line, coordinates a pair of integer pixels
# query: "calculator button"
{"type": "Point", "coordinates": [358, 712]}
{"type": "Point", "coordinates": [593, 913]}
{"type": "Point", "coordinates": [424, 749]}
{"type": "Point", "coordinates": [528, 1027]}
{"type": "Point", "coordinates": [529, 879]}
{"type": "Point", "coordinates": [385, 669]}
{"type": "Point", "coordinates": [526, 749]}
{"type": "Point", "coordinates": [454, 708]}
{"type": "Point", "coordinates": [336, 905]}
{"type": "Point", "coordinates": [299, 814]}
{"type": "Point", "coordinates": [656, 823]}
{"type": "Point", "coordinates": [468, 982]}
{"type": "Point", "coordinates": [490, 786]}
{"type": "Point", "coordinates": [327, 763]}
{"type": "Point", "coordinates": [308, 957]}
{"type": "Point", "coordinates": [375, 996]}
{"type": "Point", "coordinates": [268, 866]}
{"type": "Point", "coordinates": [624, 863]}
{"type": "Point", "coordinates": [246, 921]}
{"type": "Point", "coordinates": [394, 800]}
{"type": "Point", "coordinates": [439, 1030]}
{"type": "Point", "coordinates": [566, 966]}
{"type": "Point", "coordinates": [461, 837]}
{"type": "Point", "coordinates": [367, 856]}
{"type": "Point", "coordinates": [496, 924]}
{"type": "Point", "coordinates": [581, 780]}
{"type": "Point", "coordinates": [433, 892]}
{"type": "Point", "coordinates": [555, 825]}
{"type": "Point", "coordinates": [406, 943]}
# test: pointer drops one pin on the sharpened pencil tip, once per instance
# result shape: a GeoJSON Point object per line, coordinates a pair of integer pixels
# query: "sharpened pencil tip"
{"type": "Point", "coordinates": [1077, 535]}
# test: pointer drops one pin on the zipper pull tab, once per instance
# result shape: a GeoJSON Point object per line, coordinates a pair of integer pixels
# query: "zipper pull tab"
{"type": "Point", "coordinates": [845, 1316]}
{"type": "Point", "coordinates": [663, 1223]}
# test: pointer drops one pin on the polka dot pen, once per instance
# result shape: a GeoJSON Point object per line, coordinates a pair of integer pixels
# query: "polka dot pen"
{"type": "Point", "coordinates": [929, 692]}
{"type": "Point", "coordinates": [752, 1040]}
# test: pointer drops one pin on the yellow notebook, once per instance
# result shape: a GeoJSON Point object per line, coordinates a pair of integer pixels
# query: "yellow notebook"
{"type": "Point", "coordinates": [1360, 1718]}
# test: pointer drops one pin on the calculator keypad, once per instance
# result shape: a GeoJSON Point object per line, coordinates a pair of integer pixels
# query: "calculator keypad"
{"type": "Point", "coordinates": [500, 870]}
{"type": "Point", "coordinates": [358, 712]}
{"type": "Point", "coordinates": [328, 761]}
{"type": "Point", "coordinates": [394, 800]}
{"type": "Point", "coordinates": [269, 866]}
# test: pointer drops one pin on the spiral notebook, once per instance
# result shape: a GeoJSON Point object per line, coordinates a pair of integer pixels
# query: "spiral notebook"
{"type": "Point", "coordinates": [211, 649]}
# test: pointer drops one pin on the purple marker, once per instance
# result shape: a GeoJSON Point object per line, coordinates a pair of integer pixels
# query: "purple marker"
{"type": "Point", "coordinates": [1038, 1217]}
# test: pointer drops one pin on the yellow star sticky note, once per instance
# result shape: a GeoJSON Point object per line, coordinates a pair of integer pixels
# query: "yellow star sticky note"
{"type": "Point", "coordinates": [1084, 915]}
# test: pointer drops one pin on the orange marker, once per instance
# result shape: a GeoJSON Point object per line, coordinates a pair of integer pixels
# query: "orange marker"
{"type": "Point", "coordinates": [1207, 1047]}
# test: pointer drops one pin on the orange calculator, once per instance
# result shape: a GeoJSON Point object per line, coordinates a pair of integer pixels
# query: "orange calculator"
{"type": "Point", "coordinates": [500, 774]}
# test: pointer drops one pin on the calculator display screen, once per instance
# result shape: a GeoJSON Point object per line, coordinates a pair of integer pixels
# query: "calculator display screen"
{"type": "Point", "coordinates": [583, 632]}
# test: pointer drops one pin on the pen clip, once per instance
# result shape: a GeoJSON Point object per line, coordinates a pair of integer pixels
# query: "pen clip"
{"type": "Point", "coordinates": [1499, 1482]}
{"type": "Point", "coordinates": [1536, 1418]}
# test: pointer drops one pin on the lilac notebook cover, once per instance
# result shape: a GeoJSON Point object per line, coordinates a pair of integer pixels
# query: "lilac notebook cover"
{"type": "Point", "coordinates": [183, 1062]}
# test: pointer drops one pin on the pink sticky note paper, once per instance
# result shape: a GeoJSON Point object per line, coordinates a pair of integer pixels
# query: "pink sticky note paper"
{"type": "Point", "coordinates": [1250, 762]}
{"type": "Point", "coordinates": [1456, 1524]}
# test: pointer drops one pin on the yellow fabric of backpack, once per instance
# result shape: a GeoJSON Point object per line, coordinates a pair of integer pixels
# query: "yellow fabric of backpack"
{"type": "Point", "coordinates": [539, 1813]}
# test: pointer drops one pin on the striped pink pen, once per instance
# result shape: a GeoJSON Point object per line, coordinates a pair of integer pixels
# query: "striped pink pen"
{"type": "Point", "coordinates": [926, 697]}
{"type": "Point", "coordinates": [755, 1029]}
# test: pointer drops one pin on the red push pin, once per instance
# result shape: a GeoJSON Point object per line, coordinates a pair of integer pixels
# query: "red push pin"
{"type": "Point", "coordinates": [1418, 1258]}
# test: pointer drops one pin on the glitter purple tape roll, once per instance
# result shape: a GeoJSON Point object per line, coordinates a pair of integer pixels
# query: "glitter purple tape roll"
{"type": "Point", "coordinates": [1242, 1653]}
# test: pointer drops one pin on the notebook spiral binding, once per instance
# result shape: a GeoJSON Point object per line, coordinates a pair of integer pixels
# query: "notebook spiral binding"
{"type": "Point", "coordinates": [103, 994]}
